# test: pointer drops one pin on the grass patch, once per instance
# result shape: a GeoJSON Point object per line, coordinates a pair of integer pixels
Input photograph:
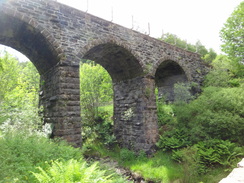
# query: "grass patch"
{"type": "Point", "coordinates": [21, 153]}
{"type": "Point", "coordinates": [158, 168]}
{"type": "Point", "coordinates": [107, 108]}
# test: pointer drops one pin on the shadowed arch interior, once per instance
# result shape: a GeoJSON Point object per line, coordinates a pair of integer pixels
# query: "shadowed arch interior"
{"type": "Point", "coordinates": [168, 74]}
{"type": "Point", "coordinates": [118, 61]}
{"type": "Point", "coordinates": [27, 40]}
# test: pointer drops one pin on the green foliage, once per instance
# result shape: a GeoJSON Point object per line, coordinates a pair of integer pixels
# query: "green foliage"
{"type": "Point", "coordinates": [18, 91]}
{"type": "Point", "coordinates": [173, 139]}
{"type": "Point", "coordinates": [208, 154]}
{"type": "Point", "coordinates": [217, 113]}
{"type": "Point", "coordinates": [208, 56]}
{"type": "Point", "coordinates": [127, 155]}
{"type": "Point", "coordinates": [221, 73]}
{"type": "Point", "coordinates": [165, 114]}
{"type": "Point", "coordinates": [158, 168]}
{"type": "Point", "coordinates": [1, 65]}
{"type": "Point", "coordinates": [95, 90]}
{"type": "Point", "coordinates": [73, 171]}
{"type": "Point", "coordinates": [96, 98]}
{"type": "Point", "coordinates": [21, 151]}
{"type": "Point", "coordinates": [182, 92]}
{"type": "Point", "coordinates": [102, 128]}
{"type": "Point", "coordinates": [217, 152]}
{"type": "Point", "coordinates": [232, 37]}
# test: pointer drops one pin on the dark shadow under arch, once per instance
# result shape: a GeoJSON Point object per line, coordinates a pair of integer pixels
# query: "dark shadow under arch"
{"type": "Point", "coordinates": [28, 40]}
{"type": "Point", "coordinates": [168, 74]}
{"type": "Point", "coordinates": [118, 61]}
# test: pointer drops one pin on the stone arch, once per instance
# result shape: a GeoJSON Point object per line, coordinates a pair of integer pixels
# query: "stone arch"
{"type": "Point", "coordinates": [168, 73]}
{"type": "Point", "coordinates": [135, 122]}
{"type": "Point", "coordinates": [28, 37]}
{"type": "Point", "coordinates": [57, 91]}
{"type": "Point", "coordinates": [116, 57]}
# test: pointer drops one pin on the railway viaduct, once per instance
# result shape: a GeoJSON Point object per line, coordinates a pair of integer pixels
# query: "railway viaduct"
{"type": "Point", "coordinates": [56, 37]}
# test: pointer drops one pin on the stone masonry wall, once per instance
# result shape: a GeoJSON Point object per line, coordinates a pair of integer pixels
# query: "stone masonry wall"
{"type": "Point", "coordinates": [60, 101]}
{"type": "Point", "coordinates": [56, 37]}
{"type": "Point", "coordinates": [135, 119]}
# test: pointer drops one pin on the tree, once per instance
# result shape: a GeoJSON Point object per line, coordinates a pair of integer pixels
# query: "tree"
{"type": "Point", "coordinates": [18, 91]}
{"type": "Point", "coordinates": [232, 35]}
{"type": "Point", "coordinates": [96, 89]}
{"type": "Point", "coordinates": [221, 72]}
{"type": "Point", "coordinates": [1, 66]}
{"type": "Point", "coordinates": [96, 95]}
{"type": "Point", "coordinates": [201, 49]}
{"type": "Point", "coordinates": [208, 56]}
{"type": "Point", "coordinates": [173, 39]}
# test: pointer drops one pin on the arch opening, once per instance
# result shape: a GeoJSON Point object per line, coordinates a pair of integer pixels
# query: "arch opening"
{"type": "Point", "coordinates": [57, 96]}
{"type": "Point", "coordinates": [28, 40]}
{"type": "Point", "coordinates": [167, 75]}
{"type": "Point", "coordinates": [96, 101]}
{"type": "Point", "coordinates": [118, 61]}
{"type": "Point", "coordinates": [19, 91]}
{"type": "Point", "coordinates": [128, 91]}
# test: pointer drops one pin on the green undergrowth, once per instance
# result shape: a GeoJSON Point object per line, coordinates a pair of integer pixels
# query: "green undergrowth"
{"type": "Point", "coordinates": [31, 157]}
{"type": "Point", "coordinates": [160, 167]}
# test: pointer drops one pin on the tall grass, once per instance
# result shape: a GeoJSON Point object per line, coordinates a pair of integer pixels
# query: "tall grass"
{"type": "Point", "coordinates": [160, 167]}
{"type": "Point", "coordinates": [22, 152]}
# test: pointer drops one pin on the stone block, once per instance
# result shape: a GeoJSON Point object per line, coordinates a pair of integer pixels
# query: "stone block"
{"type": "Point", "coordinates": [57, 37]}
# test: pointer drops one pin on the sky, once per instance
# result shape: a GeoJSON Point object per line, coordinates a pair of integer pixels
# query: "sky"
{"type": "Point", "coordinates": [191, 20]}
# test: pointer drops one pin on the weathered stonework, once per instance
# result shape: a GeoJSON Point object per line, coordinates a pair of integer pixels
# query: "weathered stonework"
{"type": "Point", "coordinates": [56, 37]}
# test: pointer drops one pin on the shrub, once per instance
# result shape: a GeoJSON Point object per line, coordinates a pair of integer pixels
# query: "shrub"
{"type": "Point", "coordinates": [207, 154]}
{"type": "Point", "coordinates": [217, 152]}
{"type": "Point", "coordinates": [127, 155]}
{"type": "Point", "coordinates": [74, 171]}
{"type": "Point", "coordinates": [95, 90]}
{"type": "Point", "coordinates": [165, 113]}
{"type": "Point", "coordinates": [182, 92]}
{"type": "Point", "coordinates": [21, 152]}
{"type": "Point", "coordinates": [217, 113]}
{"type": "Point", "coordinates": [173, 139]}
{"type": "Point", "coordinates": [100, 131]}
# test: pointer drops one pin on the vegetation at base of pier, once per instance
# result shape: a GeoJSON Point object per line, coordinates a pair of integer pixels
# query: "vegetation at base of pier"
{"type": "Point", "coordinates": [29, 156]}
{"type": "Point", "coordinates": [201, 138]}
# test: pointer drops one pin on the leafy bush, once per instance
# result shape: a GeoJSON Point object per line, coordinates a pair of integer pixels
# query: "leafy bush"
{"type": "Point", "coordinates": [165, 114]}
{"type": "Point", "coordinates": [217, 113]}
{"type": "Point", "coordinates": [18, 91]}
{"type": "Point", "coordinates": [21, 152]}
{"type": "Point", "coordinates": [101, 130]}
{"type": "Point", "coordinates": [206, 154]}
{"type": "Point", "coordinates": [173, 139]}
{"type": "Point", "coordinates": [74, 171]}
{"type": "Point", "coordinates": [95, 90]}
{"type": "Point", "coordinates": [127, 155]}
{"type": "Point", "coordinates": [97, 110]}
{"type": "Point", "coordinates": [223, 73]}
{"type": "Point", "coordinates": [182, 92]}
{"type": "Point", "coordinates": [217, 152]}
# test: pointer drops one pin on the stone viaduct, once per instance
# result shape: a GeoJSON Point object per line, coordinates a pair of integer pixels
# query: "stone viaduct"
{"type": "Point", "coordinates": [55, 37]}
